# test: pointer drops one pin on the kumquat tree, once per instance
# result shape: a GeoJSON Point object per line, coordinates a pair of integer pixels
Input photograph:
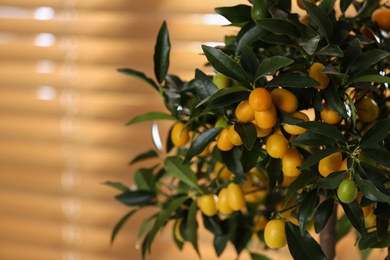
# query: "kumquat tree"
{"type": "Point", "coordinates": [292, 126]}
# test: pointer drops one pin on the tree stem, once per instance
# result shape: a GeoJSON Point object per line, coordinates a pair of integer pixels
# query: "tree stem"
{"type": "Point", "coordinates": [328, 236]}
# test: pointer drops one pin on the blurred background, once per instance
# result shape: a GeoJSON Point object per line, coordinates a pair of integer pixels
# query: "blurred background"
{"type": "Point", "coordinates": [63, 107]}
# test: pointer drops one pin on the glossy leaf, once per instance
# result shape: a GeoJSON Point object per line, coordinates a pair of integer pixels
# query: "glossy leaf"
{"type": "Point", "coordinates": [321, 19]}
{"type": "Point", "coordinates": [302, 247]}
{"type": "Point", "coordinates": [204, 85]}
{"type": "Point", "coordinates": [375, 134]}
{"type": "Point", "coordinates": [136, 198]}
{"type": "Point", "coordinates": [150, 116]}
{"type": "Point", "coordinates": [232, 161]}
{"type": "Point", "coordinates": [162, 217]}
{"type": "Point", "coordinates": [256, 256]}
{"type": "Point", "coordinates": [121, 222]}
{"type": "Point", "coordinates": [117, 185]}
{"type": "Point", "coordinates": [225, 97]}
{"type": "Point", "coordinates": [355, 215]}
{"type": "Point", "coordinates": [248, 134]}
{"type": "Point", "coordinates": [322, 214]}
{"type": "Point", "coordinates": [312, 139]}
{"type": "Point", "coordinates": [293, 80]}
{"type": "Point", "coordinates": [317, 156]}
{"type": "Point", "coordinates": [143, 156]}
{"type": "Point", "coordinates": [279, 27]}
{"type": "Point", "coordinates": [332, 181]}
{"type": "Point", "coordinates": [269, 66]}
{"type": "Point", "coordinates": [306, 210]}
{"type": "Point", "coordinates": [224, 64]}
{"type": "Point", "coordinates": [366, 60]}
{"type": "Point", "coordinates": [161, 53]}
{"type": "Point", "coordinates": [249, 61]}
{"type": "Point", "coordinates": [334, 101]}
{"type": "Point", "coordinates": [381, 156]}
{"type": "Point", "coordinates": [300, 182]}
{"type": "Point", "coordinates": [274, 170]}
{"type": "Point", "coordinates": [249, 158]}
{"type": "Point", "coordinates": [235, 14]}
{"type": "Point", "coordinates": [201, 143]}
{"type": "Point", "coordinates": [145, 179]}
{"type": "Point", "coordinates": [192, 226]}
{"type": "Point", "coordinates": [174, 167]}
{"type": "Point", "coordinates": [370, 78]}
{"type": "Point", "coordinates": [220, 243]}
{"type": "Point", "coordinates": [324, 129]}
{"type": "Point", "coordinates": [344, 4]}
{"type": "Point", "coordinates": [139, 75]}
{"type": "Point", "coordinates": [369, 190]}
{"type": "Point", "coordinates": [250, 36]}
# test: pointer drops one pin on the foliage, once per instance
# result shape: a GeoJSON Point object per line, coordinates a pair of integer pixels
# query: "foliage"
{"type": "Point", "coordinates": [274, 48]}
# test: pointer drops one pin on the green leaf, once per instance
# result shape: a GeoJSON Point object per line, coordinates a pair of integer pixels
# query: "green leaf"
{"type": "Point", "coordinates": [147, 225]}
{"type": "Point", "coordinates": [376, 133]}
{"type": "Point", "coordinates": [306, 210]}
{"type": "Point", "coordinates": [317, 156]}
{"type": "Point", "coordinates": [366, 60]}
{"type": "Point", "coordinates": [312, 139]}
{"type": "Point", "coordinates": [248, 134]}
{"type": "Point", "coordinates": [139, 75]}
{"type": "Point", "coordinates": [343, 226]}
{"type": "Point", "coordinates": [220, 242]}
{"type": "Point", "coordinates": [302, 247]}
{"type": "Point", "coordinates": [117, 185]}
{"type": "Point", "coordinates": [344, 4]}
{"type": "Point", "coordinates": [174, 167]}
{"type": "Point", "coordinates": [249, 158]}
{"type": "Point", "coordinates": [232, 161]}
{"type": "Point", "coordinates": [274, 170]}
{"type": "Point", "coordinates": [332, 181]}
{"type": "Point", "coordinates": [136, 198]}
{"type": "Point", "coordinates": [293, 80]}
{"type": "Point", "coordinates": [143, 156]}
{"type": "Point", "coordinates": [380, 156]}
{"type": "Point", "coordinates": [324, 129]}
{"type": "Point", "coordinates": [201, 142]}
{"type": "Point", "coordinates": [121, 222]}
{"type": "Point", "coordinates": [331, 50]}
{"type": "Point", "coordinates": [224, 64]}
{"type": "Point", "coordinates": [235, 14]}
{"type": "Point", "coordinates": [323, 213]}
{"type": "Point", "coordinates": [162, 217]}
{"type": "Point", "coordinates": [334, 101]}
{"type": "Point", "coordinates": [368, 189]}
{"type": "Point", "coordinates": [161, 53]}
{"type": "Point", "coordinates": [370, 78]}
{"type": "Point", "coordinates": [256, 256]}
{"type": "Point", "coordinates": [145, 179]}
{"type": "Point", "coordinates": [192, 226]}
{"type": "Point", "coordinates": [225, 97]}
{"type": "Point", "coordinates": [249, 61]}
{"type": "Point", "coordinates": [249, 37]}
{"type": "Point", "coordinates": [269, 66]}
{"type": "Point", "coordinates": [150, 116]}
{"type": "Point", "coordinates": [279, 27]}
{"type": "Point", "coordinates": [300, 182]}
{"type": "Point", "coordinates": [355, 215]}
{"type": "Point", "coordinates": [321, 19]}
{"type": "Point", "coordinates": [204, 85]}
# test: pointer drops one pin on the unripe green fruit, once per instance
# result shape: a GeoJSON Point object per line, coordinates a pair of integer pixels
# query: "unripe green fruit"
{"type": "Point", "coordinates": [260, 10]}
{"type": "Point", "coordinates": [347, 191]}
{"type": "Point", "coordinates": [221, 80]}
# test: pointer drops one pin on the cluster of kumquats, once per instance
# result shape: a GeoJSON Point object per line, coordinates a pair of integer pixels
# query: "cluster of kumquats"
{"type": "Point", "coordinates": [255, 159]}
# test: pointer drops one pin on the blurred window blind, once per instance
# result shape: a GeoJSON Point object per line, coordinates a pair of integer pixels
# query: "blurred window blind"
{"type": "Point", "coordinates": [63, 108]}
